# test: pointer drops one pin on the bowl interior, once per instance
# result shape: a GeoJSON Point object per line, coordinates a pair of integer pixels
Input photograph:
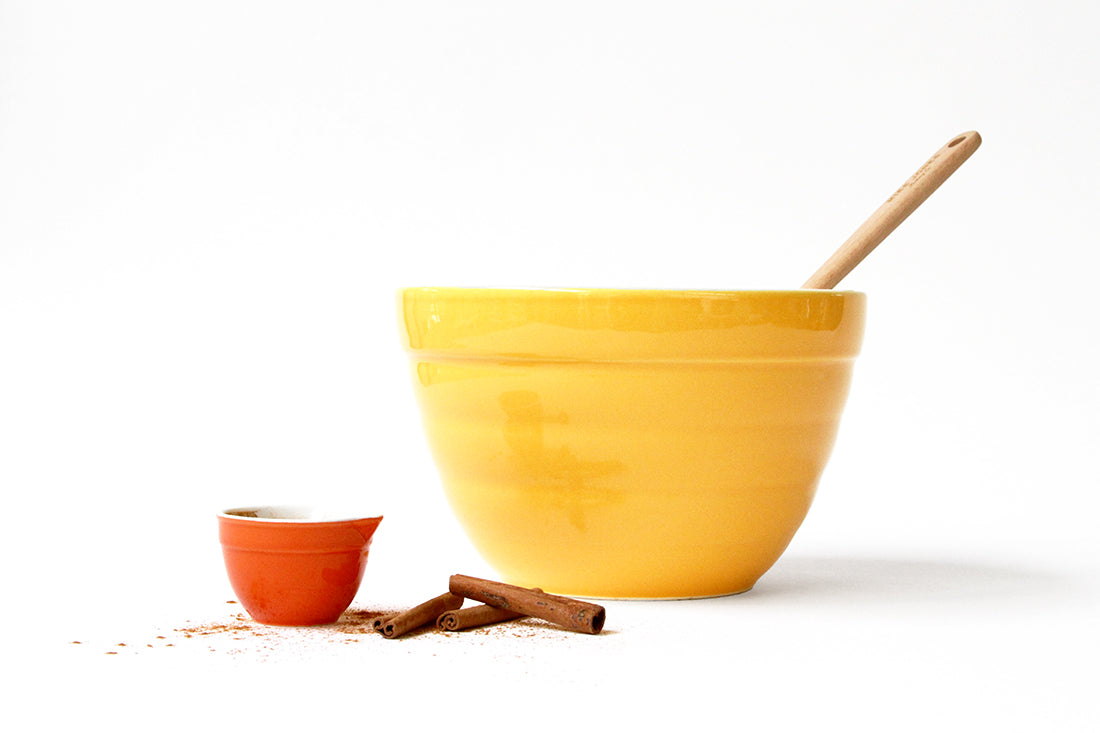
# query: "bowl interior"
{"type": "Point", "coordinates": [296, 514]}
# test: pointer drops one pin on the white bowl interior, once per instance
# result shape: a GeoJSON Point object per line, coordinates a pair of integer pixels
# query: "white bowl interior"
{"type": "Point", "coordinates": [296, 513]}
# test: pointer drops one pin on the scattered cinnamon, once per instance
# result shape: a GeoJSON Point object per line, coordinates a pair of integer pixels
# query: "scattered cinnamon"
{"type": "Point", "coordinates": [568, 613]}
{"type": "Point", "coordinates": [502, 602]}
{"type": "Point", "coordinates": [421, 615]}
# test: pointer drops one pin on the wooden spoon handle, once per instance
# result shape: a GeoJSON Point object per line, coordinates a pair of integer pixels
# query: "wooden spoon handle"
{"type": "Point", "coordinates": [893, 212]}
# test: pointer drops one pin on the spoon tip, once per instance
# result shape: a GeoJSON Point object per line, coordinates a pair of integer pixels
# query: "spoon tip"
{"type": "Point", "coordinates": [971, 138]}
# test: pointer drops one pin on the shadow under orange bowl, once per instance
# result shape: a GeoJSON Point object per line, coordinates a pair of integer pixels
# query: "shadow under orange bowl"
{"type": "Point", "coordinates": [289, 570]}
{"type": "Point", "coordinates": [631, 443]}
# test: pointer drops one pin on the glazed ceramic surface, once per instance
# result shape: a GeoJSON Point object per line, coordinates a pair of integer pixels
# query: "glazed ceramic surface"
{"type": "Point", "coordinates": [292, 566]}
{"type": "Point", "coordinates": [631, 444]}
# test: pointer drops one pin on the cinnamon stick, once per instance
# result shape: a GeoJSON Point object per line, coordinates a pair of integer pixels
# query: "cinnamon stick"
{"type": "Point", "coordinates": [419, 616]}
{"type": "Point", "coordinates": [468, 618]}
{"type": "Point", "coordinates": [587, 618]}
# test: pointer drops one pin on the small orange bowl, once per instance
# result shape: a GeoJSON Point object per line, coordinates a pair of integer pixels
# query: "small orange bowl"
{"type": "Point", "coordinates": [294, 566]}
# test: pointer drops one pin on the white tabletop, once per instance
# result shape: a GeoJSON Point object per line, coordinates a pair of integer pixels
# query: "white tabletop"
{"type": "Point", "coordinates": [206, 210]}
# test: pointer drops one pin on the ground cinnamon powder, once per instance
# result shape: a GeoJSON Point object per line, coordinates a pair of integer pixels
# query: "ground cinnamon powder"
{"type": "Point", "coordinates": [238, 634]}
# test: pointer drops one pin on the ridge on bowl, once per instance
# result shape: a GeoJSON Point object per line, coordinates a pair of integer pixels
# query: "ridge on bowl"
{"type": "Point", "coordinates": [631, 443]}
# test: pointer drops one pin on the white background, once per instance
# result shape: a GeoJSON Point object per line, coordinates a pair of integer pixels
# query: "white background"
{"type": "Point", "coordinates": [206, 209]}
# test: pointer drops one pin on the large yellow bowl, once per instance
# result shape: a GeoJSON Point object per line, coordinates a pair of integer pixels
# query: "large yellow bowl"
{"type": "Point", "coordinates": [631, 443]}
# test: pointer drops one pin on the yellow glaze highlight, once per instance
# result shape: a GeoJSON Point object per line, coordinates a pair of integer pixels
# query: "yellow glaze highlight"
{"type": "Point", "coordinates": [631, 443]}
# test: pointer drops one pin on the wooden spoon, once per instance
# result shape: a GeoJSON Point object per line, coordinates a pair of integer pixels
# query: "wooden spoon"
{"type": "Point", "coordinates": [904, 202]}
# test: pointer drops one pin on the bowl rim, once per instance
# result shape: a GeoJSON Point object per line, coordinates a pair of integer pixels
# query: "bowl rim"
{"type": "Point", "coordinates": [295, 514]}
{"type": "Point", "coordinates": [651, 292]}
{"type": "Point", "coordinates": [567, 325]}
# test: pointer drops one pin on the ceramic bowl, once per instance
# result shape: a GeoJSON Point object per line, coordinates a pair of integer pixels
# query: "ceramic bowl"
{"type": "Point", "coordinates": [630, 443]}
{"type": "Point", "coordinates": [294, 566]}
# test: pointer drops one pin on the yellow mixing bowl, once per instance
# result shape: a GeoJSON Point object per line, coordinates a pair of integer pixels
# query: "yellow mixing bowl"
{"type": "Point", "coordinates": [631, 443]}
